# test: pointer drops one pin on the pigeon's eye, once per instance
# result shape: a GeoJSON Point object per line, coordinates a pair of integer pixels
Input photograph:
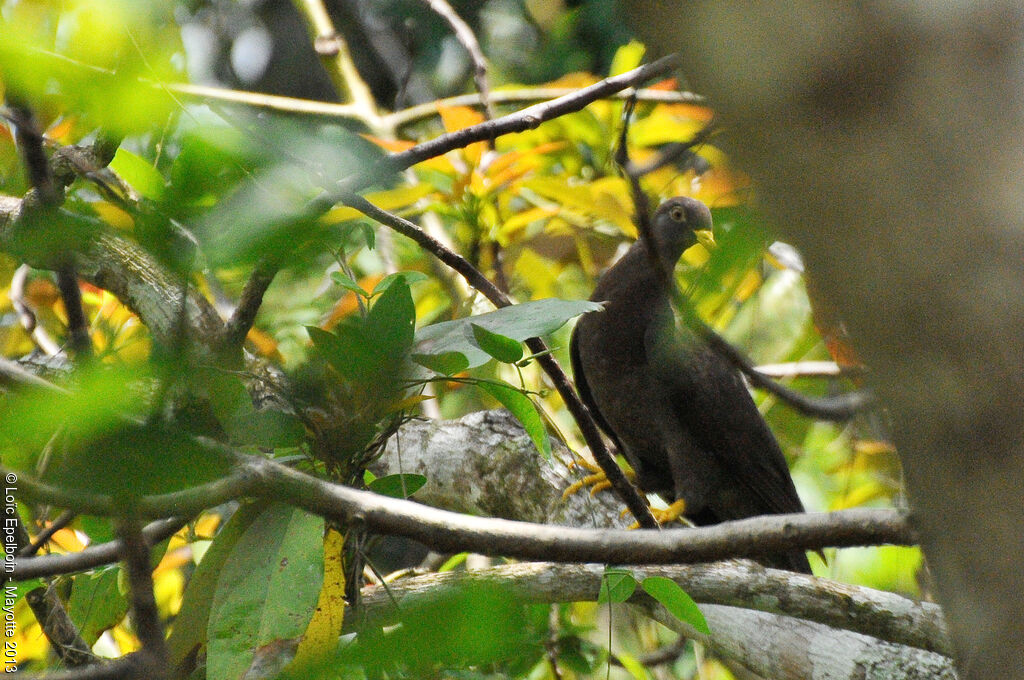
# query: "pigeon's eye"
{"type": "Point", "coordinates": [677, 213]}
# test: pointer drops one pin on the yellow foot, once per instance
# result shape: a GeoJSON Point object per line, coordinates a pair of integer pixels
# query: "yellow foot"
{"type": "Point", "coordinates": [596, 480]}
{"type": "Point", "coordinates": [669, 514]}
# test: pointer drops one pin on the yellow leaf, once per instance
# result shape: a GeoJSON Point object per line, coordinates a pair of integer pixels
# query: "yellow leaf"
{"type": "Point", "coordinates": [400, 197]}
{"type": "Point", "coordinates": [627, 58]}
{"type": "Point", "coordinates": [114, 216]}
{"type": "Point", "coordinates": [539, 273]}
{"type": "Point", "coordinates": [324, 628]}
{"type": "Point", "coordinates": [457, 118]}
{"type": "Point", "coordinates": [522, 220]}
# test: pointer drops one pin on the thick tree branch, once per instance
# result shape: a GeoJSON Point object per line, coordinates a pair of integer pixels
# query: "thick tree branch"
{"type": "Point", "coordinates": [255, 477]}
{"type": "Point", "coordinates": [736, 583]}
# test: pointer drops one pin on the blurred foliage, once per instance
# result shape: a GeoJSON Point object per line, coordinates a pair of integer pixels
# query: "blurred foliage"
{"type": "Point", "coordinates": [368, 327]}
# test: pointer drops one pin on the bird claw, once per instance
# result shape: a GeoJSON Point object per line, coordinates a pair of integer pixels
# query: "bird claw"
{"type": "Point", "coordinates": [667, 515]}
{"type": "Point", "coordinates": [597, 480]}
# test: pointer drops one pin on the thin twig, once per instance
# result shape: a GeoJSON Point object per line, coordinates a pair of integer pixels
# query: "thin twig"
{"type": "Point", "coordinates": [464, 34]}
{"type": "Point", "coordinates": [626, 492]}
{"type": "Point", "coordinates": [525, 119]}
{"type": "Point", "coordinates": [51, 195]}
{"type": "Point", "coordinates": [94, 556]}
{"type": "Point", "coordinates": [43, 537]}
{"type": "Point", "coordinates": [27, 316]}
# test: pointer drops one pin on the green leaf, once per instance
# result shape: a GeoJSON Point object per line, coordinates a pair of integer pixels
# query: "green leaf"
{"type": "Point", "coordinates": [676, 601]}
{"type": "Point", "coordinates": [408, 277]}
{"type": "Point", "coordinates": [617, 585]}
{"type": "Point", "coordinates": [188, 635]}
{"type": "Point", "coordinates": [398, 486]}
{"type": "Point", "coordinates": [505, 350]}
{"type": "Point", "coordinates": [348, 284]}
{"type": "Point", "coordinates": [267, 590]}
{"type": "Point", "coordinates": [96, 603]}
{"type": "Point", "coordinates": [446, 363]}
{"type": "Point", "coordinates": [524, 410]}
{"type": "Point", "coordinates": [139, 174]}
{"type": "Point", "coordinates": [391, 324]}
{"type": "Point", "coordinates": [347, 351]}
{"type": "Point", "coordinates": [518, 322]}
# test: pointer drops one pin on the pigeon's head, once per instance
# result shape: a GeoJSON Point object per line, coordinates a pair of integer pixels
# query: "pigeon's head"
{"type": "Point", "coordinates": [678, 224]}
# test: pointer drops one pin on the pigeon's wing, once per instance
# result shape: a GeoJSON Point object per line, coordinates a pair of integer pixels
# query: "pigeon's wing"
{"type": "Point", "coordinates": [713, 403]}
{"type": "Point", "coordinates": [580, 378]}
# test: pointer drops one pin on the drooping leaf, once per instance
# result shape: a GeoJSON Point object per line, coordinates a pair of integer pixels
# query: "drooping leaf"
{"type": "Point", "coordinates": [525, 412]}
{"type": "Point", "coordinates": [518, 322]}
{"type": "Point", "coordinates": [408, 277]}
{"type": "Point", "coordinates": [267, 590]}
{"type": "Point", "coordinates": [676, 601]}
{"type": "Point", "coordinates": [617, 585]}
{"type": "Point", "coordinates": [321, 637]}
{"type": "Point", "coordinates": [446, 363]}
{"type": "Point", "coordinates": [504, 349]}
{"type": "Point", "coordinates": [398, 486]}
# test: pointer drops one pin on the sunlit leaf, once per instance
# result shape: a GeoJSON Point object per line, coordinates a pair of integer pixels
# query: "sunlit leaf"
{"type": "Point", "coordinates": [525, 412]}
{"type": "Point", "coordinates": [321, 636]}
{"type": "Point", "coordinates": [139, 174]}
{"type": "Point", "coordinates": [676, 601]}
{"type": "Point", "coordinates": [519, 322]}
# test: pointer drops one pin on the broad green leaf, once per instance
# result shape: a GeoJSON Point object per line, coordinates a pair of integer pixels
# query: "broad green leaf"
{"type": "Point", "coordinates": [519, 322]}
{"type": "Point", "coordinates": [267, 590]}
{"type": "Point", "coordinates": [347, 351]}
{"type": "Point", "coordinates": [188, 635]}
{"type": "Point", "coordinates": [96, 603]}
{"type": "Point", "coordinates": [398, 486]}
{"type": "Point", "coordinates": [676, 601]}
{"type": "Point", "coordinates": [617, 585]}
{"type": "Point", "coordinates": [391, 323]}
{"type": "Point", "coordinates": [139, 174]}
{"type": "Point", "coordinates": [446, 363]}
{"type": "Point", "coordinates": [505, 350]}
{"type": "Point", "coordinates": [525, 412]}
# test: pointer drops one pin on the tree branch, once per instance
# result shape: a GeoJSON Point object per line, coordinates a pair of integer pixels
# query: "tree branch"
{"type": "Point", "coordinates": [444, 531]}
{"type": "Point", "coordinates": [625, 491]}
{"type": "Point", "coordinates": [735, 583]}
{"type": "Point", "coordinates": [145, 615]}
{"type": "Point", "coordinates": [526, 119]}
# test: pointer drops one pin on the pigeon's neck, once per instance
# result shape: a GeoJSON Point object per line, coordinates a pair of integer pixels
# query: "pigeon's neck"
{"type": "Point", "coordinates": [636, 281]}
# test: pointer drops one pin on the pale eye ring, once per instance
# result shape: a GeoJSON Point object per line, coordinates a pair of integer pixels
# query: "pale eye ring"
{"type": "Point", "coordinates": [677, 213]}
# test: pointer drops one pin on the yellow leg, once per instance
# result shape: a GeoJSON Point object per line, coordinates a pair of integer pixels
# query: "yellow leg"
{"type": "Point", "coordinates": [672, 513]}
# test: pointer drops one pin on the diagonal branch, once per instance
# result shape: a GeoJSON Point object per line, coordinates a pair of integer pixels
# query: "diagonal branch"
{"type": "Point", "coordinates": [625, 491]}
